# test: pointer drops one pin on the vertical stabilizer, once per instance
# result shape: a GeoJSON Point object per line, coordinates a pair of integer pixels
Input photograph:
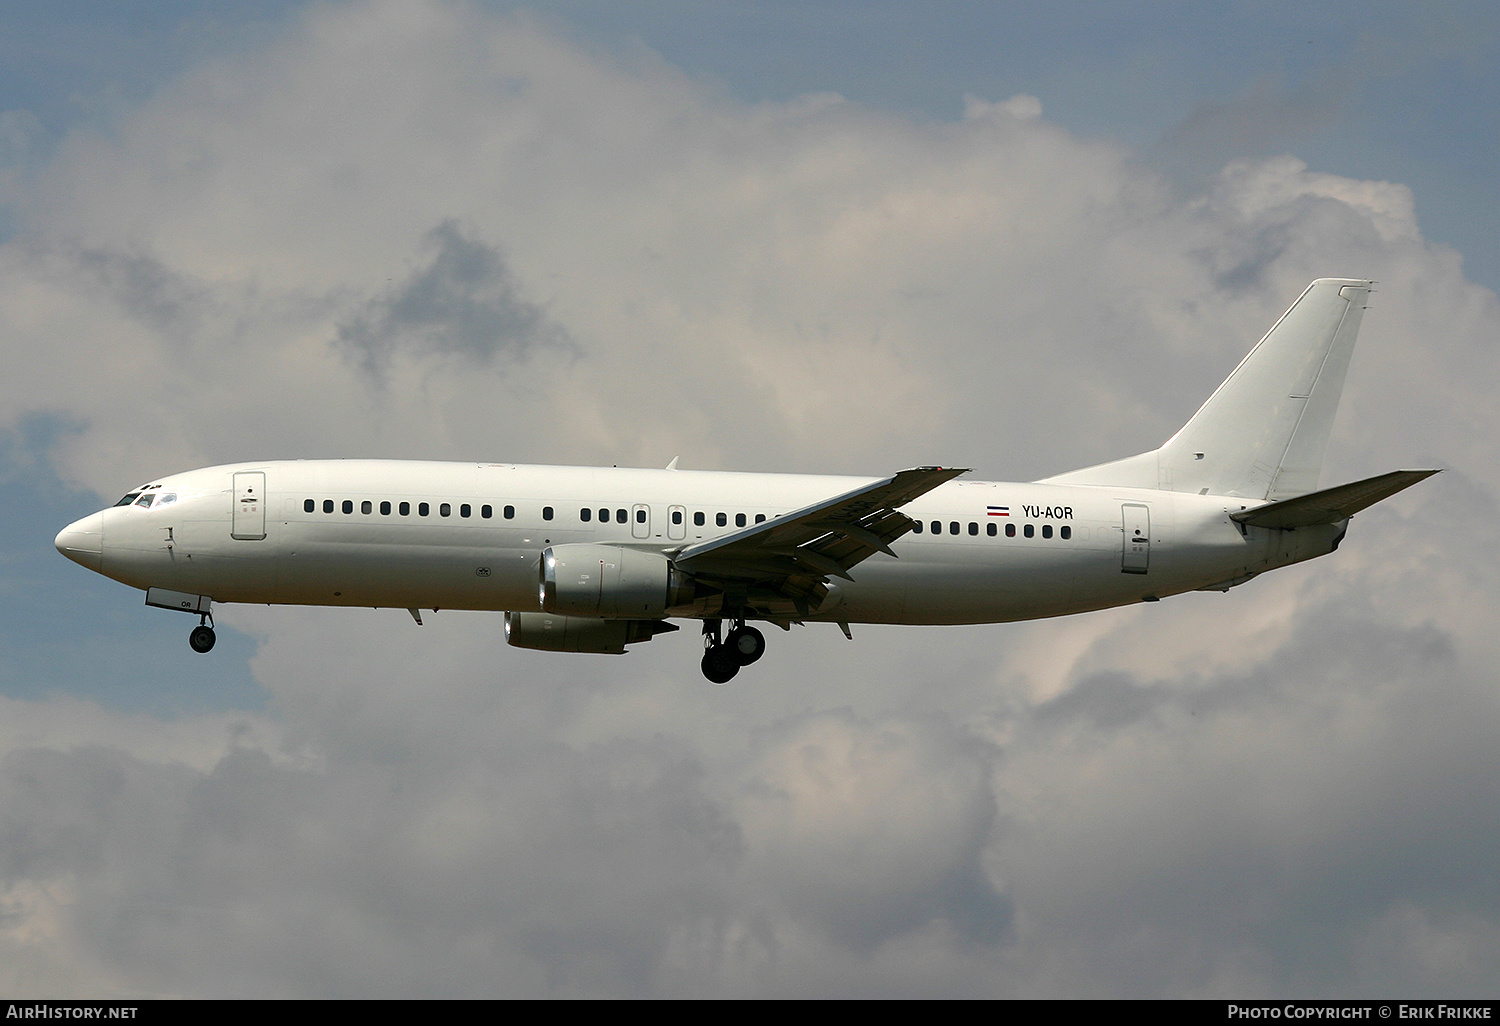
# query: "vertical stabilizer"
{"type": "Point", "coordinates": [1263, 432]}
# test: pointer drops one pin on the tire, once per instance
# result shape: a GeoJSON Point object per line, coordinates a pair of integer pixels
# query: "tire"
{"type": "Point", "coordinates": [202, 639]}
{"type": "Point", "coordinates": [747, 644]}
{"type": "Point", "coordinates": [720, 664]}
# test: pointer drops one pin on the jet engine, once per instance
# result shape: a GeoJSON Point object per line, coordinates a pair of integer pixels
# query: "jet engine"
{"type": "Point", "coordinates": [610, 581]}
{"type": "Point", "coordinates": [548, 632]}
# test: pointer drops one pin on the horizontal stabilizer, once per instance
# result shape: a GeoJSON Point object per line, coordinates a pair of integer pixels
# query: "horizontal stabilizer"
{"type": "Point", "coordinates": [1331, 505]}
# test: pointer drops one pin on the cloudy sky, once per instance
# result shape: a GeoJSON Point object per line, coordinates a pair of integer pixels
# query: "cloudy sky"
{"type": "Point", "coordinates": [820, 236]}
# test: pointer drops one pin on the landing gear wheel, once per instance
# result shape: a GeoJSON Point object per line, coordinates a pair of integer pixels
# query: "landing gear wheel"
{"type": "Point", "coordinates": [202, 639]}
{"type": "Point", "coordinates": [720, 664]}
{"type": "Point", "coordinates": [747, 644]}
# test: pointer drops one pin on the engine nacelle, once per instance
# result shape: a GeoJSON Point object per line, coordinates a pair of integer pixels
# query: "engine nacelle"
{"type": "Point", "coordinates": [610, 581]}
{"type": "Point", "coordinates": [549, 632]}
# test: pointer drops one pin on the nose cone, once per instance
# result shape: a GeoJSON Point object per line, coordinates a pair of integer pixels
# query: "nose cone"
{"type": "Point", "coordinates": [83, 541]}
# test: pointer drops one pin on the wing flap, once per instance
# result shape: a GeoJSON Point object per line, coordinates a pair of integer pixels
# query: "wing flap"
{"type": "Point", "coordinates": [1330, 505]}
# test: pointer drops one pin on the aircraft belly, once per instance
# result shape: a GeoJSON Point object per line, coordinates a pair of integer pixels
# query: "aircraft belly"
{"type": "Point", "coordinates": [967, 585]}
{"type": "Point", "coordinates": [300, 565]}
{"type": "Point", "coordinates": [188, 556]}
{"type": "Point", "coordinates": [976, 584]}
{"type": "Point", "coordinates": [437, 576]}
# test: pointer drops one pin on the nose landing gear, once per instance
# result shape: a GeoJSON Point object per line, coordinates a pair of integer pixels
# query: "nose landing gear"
{"type": "Point", "coordinates": [723, 659]}
{"type": "Point", "coordinates": [202, 639]}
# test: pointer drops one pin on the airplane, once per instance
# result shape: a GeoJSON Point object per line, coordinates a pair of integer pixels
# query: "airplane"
{"type": "Point", "coordinates": [597, 559]}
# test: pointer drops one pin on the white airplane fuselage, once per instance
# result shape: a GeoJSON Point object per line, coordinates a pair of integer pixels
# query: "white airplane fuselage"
{"type": "Point", "coordinates": [593, 560]}
{"type": "Point", "coordinates": [1000, 551]}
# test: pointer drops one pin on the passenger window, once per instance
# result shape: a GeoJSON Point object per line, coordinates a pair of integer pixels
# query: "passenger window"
{"type": "Point", "coordinates": [404, 509]}
{"type": "Point", "coordinates": [990, 529]}
{"type": "Point", "coordinates": [721, 519]}
{"type": "Point", "coordinates": [546, 512]}
{"type": "Point", "coordinates": [348, 505]}
{"type": "Point", "coordinates": [622, 517]}
{"type": "Point", "coordinates": [585, 515]}
{"type": "Point", "coordinates": [739, 520]}
{"type": "Point", "coordinates": [676, 517]}
{"type": "Point", "coordinates": [466, 510]}
{"type": "Point", "coordinates": [916, 527]}
{"type": "Point", "coordinates": [953, 527]}
{"type": "Point", "coordinates": [698, 519]}
{"type": "Point", "coordinates": [1046, 530]}
{"type": "Point", "coordinates": [487, 511]}
{"type": "Point", "coordinates": [445, 509]}
{"type": "Point", "coordinates": [1010, 530]}
{"type": "Point", "coordinates": [327, 505]}
{"type": "Point", "coordinates": [760, 518]}
{"type": "Point", "coordinates": [510, 512]}
{"type": "Point", "coordinates": [937, 528]}
{"type": "Point", "coordinates": [1029, 530]}
{"type": "Point", "coordinates": [640, 516]}
{"type": "Point", "coordinates": [1065, 532]}
{"type": "Point", "coordinates": [973, 527]}
{"type": "Point", "coordinates": [309, 505]}
{"type": "Point", "coordinates": [423, 509]}
{"type": "Point", "coordinates": [367, 507]}
{"type": "Point", "coordinates": [385, 508]}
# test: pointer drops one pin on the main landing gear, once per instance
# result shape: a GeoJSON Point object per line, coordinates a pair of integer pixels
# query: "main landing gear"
{"type": "Point", "coordinates": [202, 639]}
{"type": "Point", "coordinates": [740, 647]}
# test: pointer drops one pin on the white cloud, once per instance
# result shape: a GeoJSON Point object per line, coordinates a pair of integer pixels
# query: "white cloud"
{"type": "Point", "coordinates": [870, 831]}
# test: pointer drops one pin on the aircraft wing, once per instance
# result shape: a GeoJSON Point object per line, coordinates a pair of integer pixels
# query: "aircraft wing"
{"type": "Point", "coordinates": [1330, 505]}
{"type": "Point", "coordinates": [784, 563]}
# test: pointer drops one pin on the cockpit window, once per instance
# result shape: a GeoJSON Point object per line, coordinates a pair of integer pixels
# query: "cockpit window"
{"type": "Point", "coordinates": [145, 500]}
{"type": "Point", "coordinates": [129, 498]}
{"type": "Point", "coordinates": [167, 499]}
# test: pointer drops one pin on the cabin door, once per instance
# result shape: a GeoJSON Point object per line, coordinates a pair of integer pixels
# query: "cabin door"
{"type": "Point", "coordinates": [1137, 540]}
{"type": "Point", "coordinates": [249, 516]}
